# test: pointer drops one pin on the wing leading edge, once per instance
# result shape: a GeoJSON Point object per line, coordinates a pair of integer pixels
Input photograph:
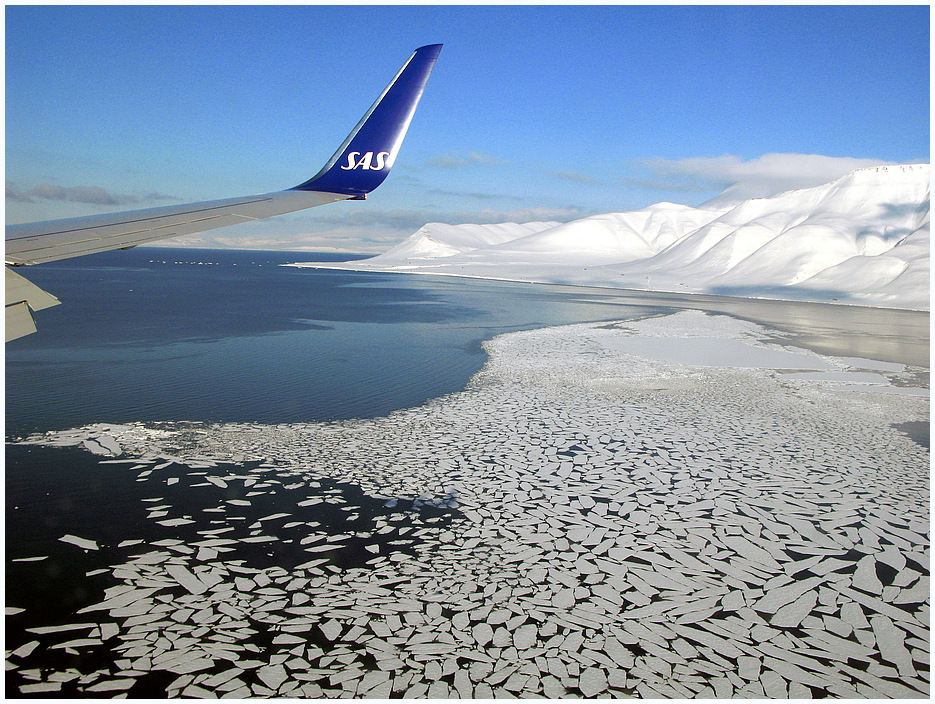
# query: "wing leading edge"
{"type": "Point", "coordinates": [356, 168]}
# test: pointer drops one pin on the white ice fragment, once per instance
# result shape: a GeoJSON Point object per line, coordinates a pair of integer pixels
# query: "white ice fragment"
{"type": "Point", "coordinates": [43, 630]}
{"type": "Point", "coordinates": [40, 687]}
{"type": "Point", "coordinates": [272, 676]}
{"type": "Point", "coordinates": [374, 684]}
{"type": "Point", "coordinates": [274, 517]}
{"type": "Point", "coordinates": [25, 650]}
{"type": "Point", "coordinates": [525, 637]}
{"type": "Point", "coordinates": [287, 639]}
{"type": "Point", "coordinates": [206, 554]}
{"type": "Point", "coordinates": [331, 629]}
{"type": "Point", "coordinates": [733, 600]}
{"type": "Point", "coordinates": [592, 682]}
{"type": "Point", "coordinates": [564, 599]}
{"type": "Point", "coordinates": [749, 550]}
{"type": "Point", "coordinates": [118, 685]}
{"type": "Point", "coordinates": [110, 444]}
{"type": "Point", "coordinates": [82, 543]}
{"type": "Point", "coordinates": [776, 598]}
{"type": "Point", "coordinates": [482, 633]}
{"type": "Point", "coordinates": [748, 668]}
{"type": "Point", "coordinates": [188, 580]}
{"type": "Point", "coordinates": [188, 664]}
{"type": "Point", "coordinates": [773, 685]}
{"type": "Point", "coordinates": [94, 447]}
{"type": "Point", "coordinates": [323, 548]}
{"type": "Point", "coordinates": [77, 643]}
{"type": "Point", "coordinates": [890, 642]}
{"type": "Point", "coordinates": [865, 576]}
{"type": "Point", "coordinates": [853, 615]}
{"type": "Point", "coordinates": [791, 615]}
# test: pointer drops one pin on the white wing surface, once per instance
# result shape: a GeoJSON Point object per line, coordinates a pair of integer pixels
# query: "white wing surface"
{"type": "Point", "coordinates": [37, 243]}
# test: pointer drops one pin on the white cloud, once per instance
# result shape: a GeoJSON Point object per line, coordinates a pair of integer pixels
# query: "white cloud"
{"type": "Point", "coordinates": [469, 194]}
{"type": "Point", "coordinates": [764, 176]}
{"type": "Point", "coordinates": [408, 221]}
{"type": "Point", "coordinates": [535, 214]}
{"type": "Point", "coordinates": [673, 184]}
{"type": "Point", "coordinates": [575, 177]}
{"type": "Point", "coordinates": [370, 232]}
{"type": "Point", "coordinates": [334, 241]}
{"type": "Point", "coordinates": [90, 195]}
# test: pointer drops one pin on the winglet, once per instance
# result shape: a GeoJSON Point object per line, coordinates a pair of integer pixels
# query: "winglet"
{"type": "Point", "coordinates": [368, 153]}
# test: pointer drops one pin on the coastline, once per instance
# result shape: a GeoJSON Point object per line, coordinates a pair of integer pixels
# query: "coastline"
{"type": "Point", "coordinates": [805, 319]}
{"type": "Point", "coordinates": [587, 518]}
{"type": "Point", "coordinates": [551, 276]}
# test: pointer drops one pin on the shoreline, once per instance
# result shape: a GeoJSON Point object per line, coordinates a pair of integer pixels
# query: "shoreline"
{"type": "Point", "coordinates": [614, 523]}
{"type": "Point", "coordinates": [783, 314]}
{"type": "Point", "coordinates": [421, 270]}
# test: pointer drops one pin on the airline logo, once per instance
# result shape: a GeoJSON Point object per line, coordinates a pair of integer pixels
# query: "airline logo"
{"type": "Point", "coordinates": [366, 162]}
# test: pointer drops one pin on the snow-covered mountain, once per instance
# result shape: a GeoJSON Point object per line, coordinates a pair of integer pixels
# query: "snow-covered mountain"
{"type": "Point", "coordinates": [863, 239]}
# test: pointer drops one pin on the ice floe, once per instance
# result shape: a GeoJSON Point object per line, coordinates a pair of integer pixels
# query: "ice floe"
{"type": "Point", "coordinates": [600, 513]}
{"type": "Point", "coordinates": [82, 543]}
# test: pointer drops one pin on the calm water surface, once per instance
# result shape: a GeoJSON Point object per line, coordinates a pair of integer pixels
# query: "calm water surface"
{"type": "Point", "coordinates": [232, 336]}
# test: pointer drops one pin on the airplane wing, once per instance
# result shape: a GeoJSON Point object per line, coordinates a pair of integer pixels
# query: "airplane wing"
{"type": "Point", "coordinates": [360, 165]}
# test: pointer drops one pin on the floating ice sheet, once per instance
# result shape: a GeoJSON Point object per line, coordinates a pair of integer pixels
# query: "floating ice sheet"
{"type": "Point", "coordinates": [83, 543]}
{"type": "Point", "coordinates": [583, 519]}
{"type": "Point", "coordinates": [715, 352]}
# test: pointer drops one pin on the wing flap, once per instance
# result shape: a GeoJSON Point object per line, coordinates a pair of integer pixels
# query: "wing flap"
{"type": "Point", "coordinates": [21, 290]}
{"type": "Point", "coordinates": [19, 321]}
{"type": "Point", "coordinates": [23, 297]}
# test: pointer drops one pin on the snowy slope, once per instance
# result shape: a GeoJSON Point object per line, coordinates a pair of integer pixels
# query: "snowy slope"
{"type": "Point", "coordinates": [862, 239]}
{"type": "Point", "coordinates": [438, 240]}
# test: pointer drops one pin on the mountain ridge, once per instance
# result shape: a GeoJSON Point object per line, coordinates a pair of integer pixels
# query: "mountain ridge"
{"type": "Point", "coordinates": [861, 239]}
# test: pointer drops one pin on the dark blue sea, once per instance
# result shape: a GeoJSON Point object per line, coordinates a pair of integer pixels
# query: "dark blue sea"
{"type": "Point", "coordinates": [169, 334]}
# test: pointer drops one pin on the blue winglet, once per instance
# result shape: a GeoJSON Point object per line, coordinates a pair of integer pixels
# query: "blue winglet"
{"type": "Point", "coordinates": [369, 151]}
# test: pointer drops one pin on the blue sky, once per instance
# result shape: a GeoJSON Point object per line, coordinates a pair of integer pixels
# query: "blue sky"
{"type": "Point", "coordinates": [532, 113]}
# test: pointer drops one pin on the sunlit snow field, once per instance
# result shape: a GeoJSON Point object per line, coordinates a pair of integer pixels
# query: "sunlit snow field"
{"type": "Point", "coordinates": [623, 496]}
{"type": "Point", "coordinates": [862, 239]}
